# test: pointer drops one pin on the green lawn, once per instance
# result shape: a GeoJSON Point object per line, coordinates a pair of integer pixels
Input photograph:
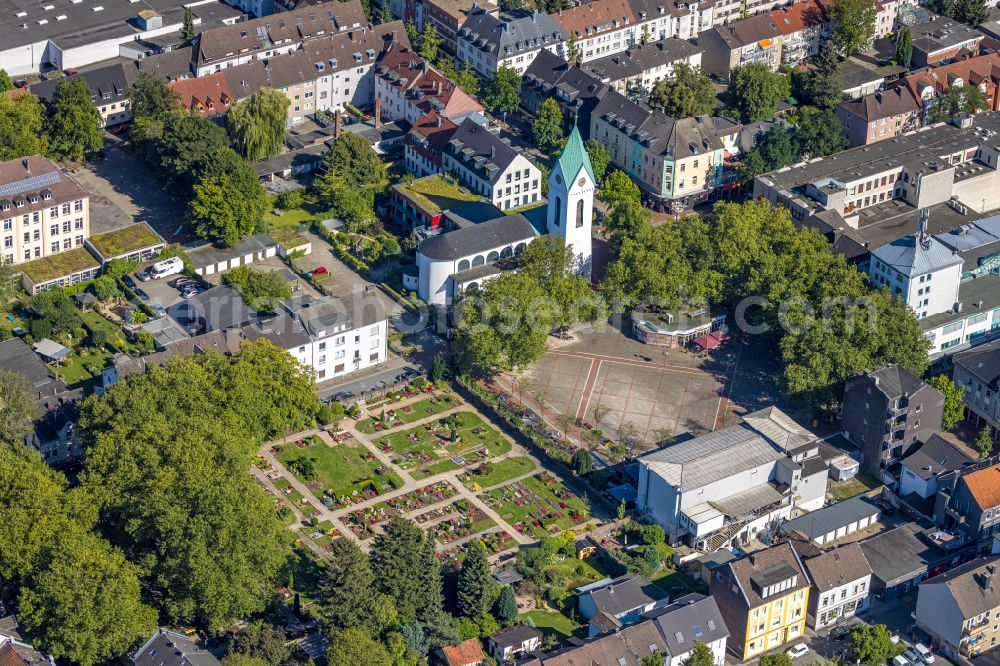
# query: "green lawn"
{"type": "Point", "coordinates": [551, 622]}
{"type": "Point", "coordinates": [861, 483]}
{"type": "Point", "coordinates": [428, 449]}
{"type": "Point", "coordinates": [82, 369]}
{"type": "Point", "coordinates": [504, 470]}
{"type": "Point", "coordinates": [539, 505]}
{"type": "Point", "coordinates": [675, 583]}
{"type": "Point", "coordinates": [414, 412]}
{"type": "Point", "coordinates": [572, 572]}
{"type": "Point", "coordinates": [343, 471]}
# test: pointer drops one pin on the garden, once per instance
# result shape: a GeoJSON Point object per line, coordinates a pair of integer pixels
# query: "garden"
{"type": "Point", "coordinates": [490, 474]}
{"type": "Point", "coordinates": [390, 418]}
{"type": "Point", "coordinates": [539, 505]}
{"type": "Point", "coordinates": [363, 521]}
{"type": "Point", "coordinates": [459, 440]}
{"type": "Point", "coordinates": [340, 475]}
{"type": "Point", "coordinates": [455, 521]}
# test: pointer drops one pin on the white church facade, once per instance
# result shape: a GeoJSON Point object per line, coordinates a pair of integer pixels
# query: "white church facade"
{"type": "Point", "coordinates": [452, 262]}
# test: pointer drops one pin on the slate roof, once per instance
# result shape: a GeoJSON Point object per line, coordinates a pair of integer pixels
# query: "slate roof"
{"type": "Point", "coordinates": [941, 33]}
{"type": "Point", "coordinates": [692, 617]}
{"type": "Point", "coordinates": [113, 81]}
{"type": "Point", "coordinates": [817, 523]}
{"type": "Point", "coordinates": [222, 307]}
{"type": "Point", "coordinates": [639, 59]}
{"type": "Point", "coordinates": [359, 308]}
{"type": "Point", "coordinates": [626, 647]}
{"type": "Point", "coordinates": [837, 567]}
{"type": "Point", "coordinates": [911, 257]}
{"type": "Point", "coordinates": [984, 486]}
{"type": "Point", "coordinates": [884, 104]}
{"type": "Point", "coordinates": [282, 330]}
{"type": "Point", "coordinates": [895, 381]}
{"type": "Point", "coordinates": [512, 34]}
{"type": "Point", "coordinates": [766, 567]}
{"type": "Point", "coordinates": [548, 72]}
{"type": "Point", "coordinates": [973, 585]}
{"type": "Point", "coordinates": [983, 363]}
{"type": "Point", "coordinates": [515, 636]}
{"type": "Point", "coordinates": [171, 65]}
{"type": "Point", "coordinates": [650, 9]}
{"type": "Point", "coordinates": [166, 648]}
{"type": "Point", "coordinates": [624, 595]}
{"type": "Point", "coordinates": [936, 456]}
{"type": "Point", "coordinates": [898, 554]}
{"type": "Point", "coordinates": [18, 357]}
{"type": "Point", "coordinates": [747, 31]}
{"type": "Point", "coordinates": [587, 20]}
{"type": "Point", "coordinates": [480, 150]}
{"type": "Point", "coordinates": [481, 237]}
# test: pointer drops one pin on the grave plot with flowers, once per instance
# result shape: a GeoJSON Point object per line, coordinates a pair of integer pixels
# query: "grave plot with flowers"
{"type": "Point", "coordinates": [390, 417]}
{"type": "Point", "coordinates": [455, 521]}
{"type": "Point", "coordinates": [539, 505]}
{"type": "Point", "coordinates": [362, 522]}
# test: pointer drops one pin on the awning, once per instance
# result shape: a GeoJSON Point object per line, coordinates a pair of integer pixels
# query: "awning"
{"type": "Point", "coordinates": [50, 349]}
{"type": "Point", "coordinates": [710, 340]}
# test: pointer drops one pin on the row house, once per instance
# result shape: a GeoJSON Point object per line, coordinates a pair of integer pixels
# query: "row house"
{"type": "Point", "coordinates": [731, 11]}
{"type": "Point", "coordinates": [598, 29]}
{"type": "Point", "coordinates": [983, 72]}
{"type": "Point", "coordinates": [753, 39]}
{"type": "Point", "coordinates": [490, 166]}
{"type": "Point", "coordinates": [576, 91]}
{"type": "Point", "coordinates": [960, 609]}
{"type": "Point", "coordinates": [487, 42]}
{"type": "Point", "coordinates": [207, 96]}
{"type": "Point", "coordinates": [43, 211]}
{"type": "Point", "coordinates": [447, 16]}
{"type": "Point", "coordinates": [804, 29]}
{"type": "Point", "coordinates": [886, 13]}
{"type": "Point", "coordinates": [409, 88]}
{"type": "Point", "coordinates": [676, 163]}
{"type": "Point", "coordinates": [841, 585]}
{"type": "Point", "coordinates": [978, 370]}
{"type": "Point", "coordinates": [639, 68]}
{"type": "Point", "coordinates": [263, 38]}
{"type": "Point", "coordinates": [879, 116]}
{"type": "Point", "coordinates": [424, 144]}
{"type": "Point", "coordinates": [658, 19]}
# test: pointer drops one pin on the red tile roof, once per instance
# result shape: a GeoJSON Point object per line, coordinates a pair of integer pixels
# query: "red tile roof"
{"type": "Point", "coordinates": [596, 17]}
{"type": "Point", "coordinates": [464, 654]}
{"type": "Point", "coordinates": [984, 485]}
{"type": "Point", "coordinates": [800, 16]}
{"type": "Point", "coordinates": [973, 70]}
{"type": "Point", "coordinates": [208, 95]}
{"type": "Point", "coordinates": [424, 86]}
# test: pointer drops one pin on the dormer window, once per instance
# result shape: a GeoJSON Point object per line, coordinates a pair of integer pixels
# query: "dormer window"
{"type": "Point", "coordinates": [33, 198]}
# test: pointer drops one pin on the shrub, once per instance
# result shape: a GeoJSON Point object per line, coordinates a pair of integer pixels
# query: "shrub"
{"type": "Point", "coordinates": [290, 200]}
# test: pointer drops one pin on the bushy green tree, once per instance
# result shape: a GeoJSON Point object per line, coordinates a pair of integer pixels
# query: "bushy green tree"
{"type": "Point", "coordinates": [618, 189]}
{"type": "Point", "coordinates": [954, 405]}
{"type": "Point", "coordinates": [429, 42]}
{"type": "Point", "coordinates": [507, 605]}
{"type": "Point", "coordinates": [599, 159]}
{"type": "Point", "coordinates": [754, 91]}
{"type": "Point", "coordinates": [6, 85]}
{"type": "Point", "coordinates": [971, 12]}
{"type": "Point", "coordinates": [688, 93]}
{"type": "Point", "coordinates": [872, 644]}
{"type": "Point", "coordinates": [547, 129]}
{"type": "Point", "coordinates": [17, 407]}
{"type": "Point", "coordinates": [984, 443]}
{"type": "Point", "coordinates": [22, 119]}
{"type": "Point", "coordinates": [74, 125]}
{"type": "Point", "coordinates": [853, 24]}
{"type": "Point", "coordinates": [346, 588]}
{"type": "Point", "coordinates": [187, 32]}
{"type": "Point", "coordinates": [262, 641]}
{"type": "Point", "coordinates": [583, 462]}
{"type": "Point", "coordinates": [349, 647]}
{"type": "Point", "coordinates": [820, 132]}
{"type": "Point", "coordinates": [701, 655]}
{"type": "Point", "coordinates": [257, 124]}
{"type": "Point", "coordinates": [775, 659]}
{"type": "Point", "coordinates": [223, 212]}
{"type": "Point", "coordinates": [503, 93]}
{"type": "Point", "coordinates": [957, 99]}
{"type": "Point", "coordinates": [821, 85]}
{"type": "Point", "coordinates": [904, 46]}
{"type": "Point", "coordinates": [262, 290]}
{"type": "Point", "coordinates": [395, 558]}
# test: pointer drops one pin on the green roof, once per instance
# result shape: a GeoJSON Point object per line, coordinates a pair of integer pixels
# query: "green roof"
{"type": "Point", "coordinates": [574, 156]}
{"type": "Point", "coordinates": [58, 265]}
{"type": "Point", "coordinates": [132, 238]}
{"type": "Point", "coordinates": [435, 194]}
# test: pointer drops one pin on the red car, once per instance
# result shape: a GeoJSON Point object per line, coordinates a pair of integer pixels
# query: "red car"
{"type": "Point", "coordinates": [70, 72]}
{"type": "Point", "coordinates": [119, 128]}
{"type": "Point", "coordinates": [320, 271]}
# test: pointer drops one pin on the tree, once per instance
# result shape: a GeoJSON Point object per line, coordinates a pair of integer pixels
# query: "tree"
{"type": "Point", "coordinates": [507, 605]}
{"type": "Point", "coordinates": [106, 288]}
{"type": "Point", "coordinates": [349, 647]}
{"type": "Point", "coordinates": [475, 586]}
{"type": "Point", "coordinates": [821, 85]}
{"type": "Point", "coordinates": [687, 94]}
{"type": "Point", "coordinates": [429, 42]}
{"type": "Point", "coordinates": [547, 130]}
{"type": "Point", "coordinates": [957, 99]}
{"type": "Point", "coordinates": [55, 308]}
{"type": "Point", "coordinates": [954, 405]}
{"type": "Point", "coordinates": [853, 25]}
{"type": "Point", "coordinates": [262, 290]}
{"type": "Point", "coordinates": [22, 118]}
{"type": "Point", "coordinates": [236, 659]}
{"type": "Point", "coordinates": [17, 407]}
{"type": "Point", "coordinates": [574, 54]}
{"type": "Point", "coordinates": [6, 85]}
{"type": "Point", "coordinates": [599, 159]}
{"type": "Point", "coordinates": [187, 27]}
{"type": "Point", "coordinates": [754, 90]}
{"type": "Point", "coordinates": [411, 32]}
{"type": "Point", "coordinates": [151, 97]}
{"type": "Point", "coordinates": [775, 659]}
{"type": "Point", "coordinates": [511, 5]}
{"type": "Point", "coordinates": [346, 588]}
{"type": "Point", "coordinates": [984, 443]}
{"type": "Point", "coordinates": [466, 78]}
{"type": "Point", "coordinates": [262, 641]}
{"type": "Point", "coordinates": [385, 15]}
{"type": "Point", "coordinates": [352, 175]}
{"type": "Point", "coordinates": [904, 46]}
{"type": "Point", "coordinates": [503, 93]}
{"type": "Point", "coordinates": [820, 132]}
{"type": "Point", "coordinates": [872, 644]}
{"type": "Point", "coordinates": [971, 12]}
{"type": "Point", "coordinates": [701, 655]}
{"type": "Point", "coordinates": [257, 124]}
{"type": "Point", "coordinates": [186, 144]}
{"type": "Point", "coordinates": [85, 604]}
{"type": "Point", "coordinates": [74, 125]}
{"type": "Point", "coordinates": [583, 462]}
{"type": "Point", "coordinates": [395, 558]}
{"type": "Point", "coordinates": [644, 37]}
{"type": "Point", "coordinates": [220, 211]}
{"type": "Point", "coordinates": [431, 605]}
{"type": "Point", "coordinates": [618, 189]}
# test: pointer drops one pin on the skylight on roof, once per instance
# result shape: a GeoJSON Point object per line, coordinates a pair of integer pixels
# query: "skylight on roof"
{"type": "Point", "coordinates": [98, 8]}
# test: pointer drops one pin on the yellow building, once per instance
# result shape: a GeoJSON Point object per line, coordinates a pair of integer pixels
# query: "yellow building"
{"type": "Point", "coordinates": [763, 598]}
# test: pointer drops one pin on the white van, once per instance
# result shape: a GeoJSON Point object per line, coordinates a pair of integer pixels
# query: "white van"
{"type": "Point", "coordinates": [900, 660]}
{"type": "Point", "coordinates": [925, 655]}
{"type": "Point", "coordinates": [162, 269]}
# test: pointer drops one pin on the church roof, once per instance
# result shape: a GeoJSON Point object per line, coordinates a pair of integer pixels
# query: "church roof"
{"type": "Point", "coordinates": [574, 157]}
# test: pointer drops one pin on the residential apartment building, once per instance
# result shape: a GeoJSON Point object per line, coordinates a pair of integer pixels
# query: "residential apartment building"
{"type": "Point", "coordinates": [921, 270]}
{"type": "Point", "coordinates": [627, 647]}
{"type": "Point", "coordinates": [208, 95]}
{"type": "Point", "coordinates": [608, 604]}
{"type": "Point", "coordinates": [689, 619]}
{"type": "Point", "coordinates": [676, 163]}
{"type": "Point", "coordinates": [487, 164]}
{"type": "Point", "coordinates": [885, 413]}
{"type": "Point", "coordinates": [269, 36]}
{"type": "Point", "coordinates": [960, 609]}
{"type": "Point", "coordinates": [639, 68]}
{"type": "Point", "coordinates": [753, 39]}
{"type": "Point", "coordinates": [597, 29]}
{"type": "Point", "coordinates": [804, 29]}
{"type": "Point", "coordinates": [982, 71]}
{"type": "Point", "coordinates": [659, 19]}
{"type": "Point", "coordinates": [576, 91]}
{"type": "Point", "coordinates": [764, 598]}
{"type": "Point", "coordinates": [940, 40]}
{"type": "Point", "coordinates": [978, 370]}
{"type": "Point", "coordinates": [731, 11]}
{"type": "Point", "coordinates": [925, 470]}
{"type": "Point", "coordinates": [975, 503]}
{"type": "Point", "coordinates": [425, 143]}
{"type": "Point", "coordinates": [487, 42]}
{"type": "Point", "coordinates": [725, 488]}
{"type": "Point", "coordinates": [109, 88]}
{"type": "Point", "coordinates": [43, 211]}
{"type": "Point", "coordinates": [841, 584]}
{"type": "Point", "coordinates": [879, 116]}
{"type": "Point", "coordinates": [886, 13]}
{"type": "Point", "coordinates": [449, 15]}
{"type": "Point", "coordinates": [409, 88]}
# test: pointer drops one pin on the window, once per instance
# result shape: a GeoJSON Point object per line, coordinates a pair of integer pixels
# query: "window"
{"type": "Point", "coordinates": [78, 240]}
{"type": "Point", "coordinates": [65, 227]}
{"type": "Point", "coordinates": [54, 230]}
{"type": "Point", "coordinates": [78, 206]}
{"type": "Point", "coordinates": [374, 343]}
{"type": "Point", "coordinates": [339, 340]}
{"type": "Point", "coordinates": [322, 346]}
{"type": "Point", "coordinates": [322, 360]}
{"type": "Point", "coordinates": [579, 213]}
{"type": "Point", "coordinates": [339, 354]}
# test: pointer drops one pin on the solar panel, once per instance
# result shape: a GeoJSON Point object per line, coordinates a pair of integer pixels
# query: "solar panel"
{"type": "Point", "coordinates": [28, 184]}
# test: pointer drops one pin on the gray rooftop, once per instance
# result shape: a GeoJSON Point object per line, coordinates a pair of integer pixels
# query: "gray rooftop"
{"type": "Point", "coordinates": [166, 648]}
{"type": "Point", "coordinates": [899, 554]}
{"type": "Point", "coordinates": [941, 33]}
{"type": "Point", "coordinates": [917, 255]}
{"type": "Point", "coordinates": [936, 456]}
{"type": "Point", "coordinates": [817, 523]}
{"type": "Point", "coordinates": [624, 595]}
{"type": "Point", "coordinates": [639, 59]}
{"type": "Point", "coordinates": [18, 357]}
{"type": "Point", "coordinates": [510, 34]}
{"type": "Point", "coordinates": [982, 362]}
{"type": "Point", "coordinates": [108, 85]}
{"type": "Point", "coordinates": [693, 617]}
{"type": "Point", "coordinates": [480, 150]}
{"type": "Point", "coordinates": [838, 567]}
{"type": "Point", "coordinates": [482, 237]}
{"type": "Point", "coordinates": [208, 255]}
{"type": "Point", "coordinates": [974, 585]}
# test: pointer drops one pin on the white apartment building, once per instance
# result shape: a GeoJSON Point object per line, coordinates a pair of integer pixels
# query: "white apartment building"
{"type": "Point", "coordinates": [488, 165]}
{"type": "Point", "coordinates": [600, 28]}
{"type": "Point", "coordinates": [488, 42]}
{"type": "Point", "coordinates": [841, 582]}
{"type": "Point", "coordinates": [672, 18]}
{"type": "Point", "coordinates": [42, 210]}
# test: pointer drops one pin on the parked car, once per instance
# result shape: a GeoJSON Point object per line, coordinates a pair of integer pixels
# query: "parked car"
{"type": "Point", "coordinates": [797, 651]}
{"type": "Point", "coordinates": [129, 282]}
{"type": "Point", "coordinates": [900, 660]}
{"type": "Point", "coordinates": [144, 276]}
{"type": "Point", "coordinates": [340, 397]}
{"type": "Point", "coordinates": [23, 83]}
{"type": "Point", "coordinates": [840, 631]}
{"type": "Point", "coordinates": [181, 281]}
{"type": "Point", "coordinates": [319, 273]}
{"type": "Point", "coordinates": [119, 128]}
{"type": "Point", "coordinates": [70, 72]}
{"type": "Point", "coordinates": [141, 294]}
{"type": "Point", "coordinates": [912, 657]}
{"type": "Point", "coordinates": [926, 656]}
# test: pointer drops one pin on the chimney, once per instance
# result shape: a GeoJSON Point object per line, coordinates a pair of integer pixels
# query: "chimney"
{"type": "Point", "coordinates": [336, 124]}
{"type": "Point", "coordinates": [27, 168]}
{"type": "Point", "coordinates": [378, 112]}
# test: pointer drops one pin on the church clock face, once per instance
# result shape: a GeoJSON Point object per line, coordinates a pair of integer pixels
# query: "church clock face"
{"type": "Point", "coordinates": [582, 181]}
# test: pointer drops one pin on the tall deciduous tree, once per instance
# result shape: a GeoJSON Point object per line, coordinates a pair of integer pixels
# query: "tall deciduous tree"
{"type": "Point", "coordinates": [429, 42]}
{"type": "Point", "coordinates": [262, 641]}
{"type": "Point", "coordinates": [701, 655]}
{"type": "Point", "coordinates": [853, 25]}
{"type": "Point", "coordinates": [984, 443]}
{"type": "Point", "coordinates": [754, 91]}
{"type": "Point", "coordinates": [349, 647]}
{"type": "Point", "coordinates": [688, 93]}
{"type": "Point", "coordinates": [820, 132]}
{"type": "Point", "coordinates": [151, 97]}
{"type": "Point", "coordinates": [904, 46]}
{"type": "Point", "coordinates": [600, 158]}
{"type": "Point", "coordinates": [619, 189]}
{"type": "Point", "coordinates": [22, 118]}
{"type": "Point", "coordinates": [186, 144]}
{"type": "Point", "coordinates": [971, 12]}
{"type": "Point", "coordinates": [257, 124]}
{"type": "Point", "coordinates": [547, 129]}
{"type": "Point", "coordinates": [873, 644]}
{"type": "Point", "coordinates": [74, 125]}
{"type": "Point", "coordinates": [17, 407]}
{"type": "Point", "coordinates": [957, 99]}
{"type": "Point", "coordinates": [221, 212]}
{"type": "Point", "coordinates": [503, 93]}
{"type": "Point", "coordinates": [475, 586]}
{"type": "Point", "coordinates": [6, 85]}
{"type": "Point", "coordinates": [954, 406]}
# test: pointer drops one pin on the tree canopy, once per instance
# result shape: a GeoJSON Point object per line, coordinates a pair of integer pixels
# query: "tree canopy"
{"type": "Point", "coordinates": [904, 46]}
{"type": "Point", "coordinates": [22, 119]}
{"type": "Point", "coordinates": [688, 93]}
{"type": "Point", "coordinates": [619, 188]}
{"type": "Point", "coordinates": [257, 124]}
{"type": "Point", "coordinates": [475, 585]}
{"type": "Point", "coordinates": [957, 99]}
{"type": "Point", "coordinates": [222, 211]}
{"type": "Point", "coordinates": [547, 129]}
{"type": "Point", "coordinates": [872, 644]}
{"type": "Point", "coordinates": [853, 25]}
{"type": "Point", "coordinates": [151, 97]}
{"type": "Point", "coordinates": [600, 159]}
{"type": "Point", "coordinates": [754, 91]}
{"type": "Point", "coordinates": [74, 125]}
{"type": "Point", "coordinates": [503, 92]}
{"type": "Point", "coordinates": [17, 407]}
{"type": "Point", "coordinates": [954, 406]}
{"type": "Point", "coordinates": [262, 290]}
